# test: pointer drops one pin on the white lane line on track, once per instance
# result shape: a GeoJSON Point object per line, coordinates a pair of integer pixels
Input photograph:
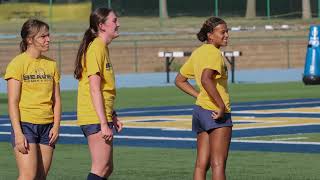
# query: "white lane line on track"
{"type": "Point", "coordinates": [235, 106]}
{"type": "Point", "coordinates": [146, 111]}
{"type": "Point", "coordinates": [5, 133]}
{"type": "Point", "coordinates": [189, 109]}
{"type": "Point", "coordinates": [181, 129]}
{"type": "Point", "coordinates": [192, 139]}
{"type": "Point", "coordinates": [275, 126]}
{"type": "Point", "coordinates": [138, 137]}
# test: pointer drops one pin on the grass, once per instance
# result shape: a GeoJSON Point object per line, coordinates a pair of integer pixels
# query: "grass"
{"type": "Point", "coordinates": [171, 96]}
{"type": "Point", "coordinates": [73, 18]}
{"type": "Point", "coordinates": [61, 12]}
{"type": "Point", "coordinates": [72, 162]}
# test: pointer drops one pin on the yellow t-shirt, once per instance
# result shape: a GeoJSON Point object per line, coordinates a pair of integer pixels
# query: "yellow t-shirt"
{"type": "Point", "coordinates": [97, 61]}
{"type": "Point", "coordinates": [208, 56]}
{"type": "Point", "coordinates": [37, 77]}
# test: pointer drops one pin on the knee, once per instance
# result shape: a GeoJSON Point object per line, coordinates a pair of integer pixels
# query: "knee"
{"type": "Point", "coordinates": [204, 165]}
{"type": "Point", "coordinates": [104, 170]}
{"type": "Point", "coordinates": [218, 164]}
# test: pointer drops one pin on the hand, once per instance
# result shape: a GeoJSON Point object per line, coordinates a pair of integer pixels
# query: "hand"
{"type": "Point", "coordinates": [117, 123]}
{"type": "Point", "coordinates": [53, 135]}
{"type": "Point", "coordinates": [106, 132]}
{"type": "Point", "coordinates": [216, 115]}
{"type": "Point", "coordinates": [21, 143]}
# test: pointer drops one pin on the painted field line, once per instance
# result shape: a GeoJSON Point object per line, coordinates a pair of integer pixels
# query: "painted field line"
{"type": "Point", "coordinates": [5, 133]}
{"type": "Point", "coordinates": [190, 109]}
{"type": "Point", "coordinates": [267, 113]}
{"type": "Point", "coordinates": [137, 137]}
{"type": "Point", "coordinates": [146, 111]}
{"type": "Point", "coordinates": [276, 142]}
{"type": "Point", "coordinates": [286, 139]}
{"type": "Point", "coordinates": [194, 139]}
{"type": "Point", "coordinates": [190, 139]}
{"type": "Point", "coordinates": [274, 126]}
{"type": "Point", "coordinates": [274, 104]}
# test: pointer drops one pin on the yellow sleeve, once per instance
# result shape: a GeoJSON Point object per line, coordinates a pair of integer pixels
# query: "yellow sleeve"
{"type": "Point", "coordinates": [215, 62]}
{"type": "Point", "coordinates": [187, 69]}
{"type": "Point", "coordinates": [56, 74]}
{"type": "Point", "coordinates": [14, 70]}
{"type": "Point", "coordinates": [94, 61]}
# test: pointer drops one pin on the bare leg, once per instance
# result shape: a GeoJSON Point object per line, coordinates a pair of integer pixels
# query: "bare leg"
{"type": "Point", "coordinates": [101, 155]}
{"type": "Point", "coordinates": [202, 162]}
{"type": "Point", "coordinates": [27, 163]}
{"type": "Point", "coordinates": [45, 158]}
{"type": "Point", "coordinates": [219, 147]}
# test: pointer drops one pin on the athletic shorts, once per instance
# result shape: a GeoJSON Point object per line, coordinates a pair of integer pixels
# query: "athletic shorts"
{"type": "Point", "coordinates": [35, 133]}
{"type": "Point", "coordinates": [90, 129]}
{"type": "Point", "coordinates": [202, 120]}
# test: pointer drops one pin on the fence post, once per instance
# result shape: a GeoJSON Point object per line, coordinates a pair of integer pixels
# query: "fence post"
{"type": "Point", "coordinates": [268, 9]}
{"type": "Point", "coordinates": [216, 13]}
{"type": "Point", "coordinates": [50, 15]}
{"type": "Point", "coordinates": [59, 56]}
{"type": "Point", "coordinates": [135, 43]}
{"type": "Point", "coordinates": [288, 53]}
{"type": "Point", "coordinates": [318, 8]}
{"type": "Point", "coordinates": [160, 14]}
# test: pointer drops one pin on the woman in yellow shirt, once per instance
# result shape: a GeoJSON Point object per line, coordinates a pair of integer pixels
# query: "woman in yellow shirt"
{"type": "Point", "coordinates": [97, 91]}
{"type": "Point", "coordinates": [34, 102]}
{"type": "Point", "coordinates": [211, 118]}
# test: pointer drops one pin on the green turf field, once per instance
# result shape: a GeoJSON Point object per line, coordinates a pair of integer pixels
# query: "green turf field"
{"type": "Point", "coordinates": [72, 162]}
{"type": "Point", "coordinates": [170, 96]}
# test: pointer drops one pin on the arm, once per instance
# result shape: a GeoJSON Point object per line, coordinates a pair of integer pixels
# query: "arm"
{"type": "Point", "coordinates": [97, 101]}
{"type": "Point", "coordinates": [54, 132]}
{"type": "Point", "coordinates": [14, 92]}
{"type": "Point", "coordinates": [183, 84]}
{"type": "Point", "coordinates": [207, 81]}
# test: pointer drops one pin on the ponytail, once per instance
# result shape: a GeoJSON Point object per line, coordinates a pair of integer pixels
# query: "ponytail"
{"type": "Point", "coordinates": [96, 17]}
{"type": "Point", "coordinates": [88, 37]}
{"type": "Point", "coordinates": [23, 46]}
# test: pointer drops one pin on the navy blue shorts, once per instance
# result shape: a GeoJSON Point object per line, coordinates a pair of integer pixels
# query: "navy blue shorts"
{"type": "Point", "coordinates": [202, 120]}
{"type": "Point", "coordinates": [34, 133]}
{"type": "Point", "coordinates": [90, 129]}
